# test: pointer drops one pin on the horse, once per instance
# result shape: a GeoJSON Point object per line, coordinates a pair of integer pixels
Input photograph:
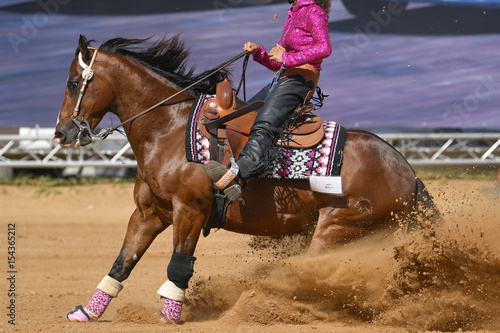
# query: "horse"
{"type": "Point", "coordinates": [124, 78]}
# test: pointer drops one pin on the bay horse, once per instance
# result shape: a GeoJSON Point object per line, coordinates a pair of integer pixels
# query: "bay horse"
{"type": "Point", "coordinates": [378, 182]}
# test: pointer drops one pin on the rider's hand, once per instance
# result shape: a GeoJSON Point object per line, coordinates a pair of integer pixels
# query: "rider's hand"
{"type": "Point", "coordinates": [276, 53]}
{"type": "Point", "coordinates": [251, 48]}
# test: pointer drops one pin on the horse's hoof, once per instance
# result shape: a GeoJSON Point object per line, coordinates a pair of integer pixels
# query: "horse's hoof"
{"type": "Point", "coordinates": [78, 314]}
{"type": "Point", "coordinates": [164, 320]}
{"type": "Point", "coordinates": [171, 312]}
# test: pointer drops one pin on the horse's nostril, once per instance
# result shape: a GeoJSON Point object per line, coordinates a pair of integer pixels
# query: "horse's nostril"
{"type": "Point", "coordinates": [59, 136]}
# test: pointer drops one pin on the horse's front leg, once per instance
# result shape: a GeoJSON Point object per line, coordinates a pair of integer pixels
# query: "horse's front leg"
{"type": "Point", "coordinates": [143, 227]}
{"type": "Point", "coordinates": [189, 218]}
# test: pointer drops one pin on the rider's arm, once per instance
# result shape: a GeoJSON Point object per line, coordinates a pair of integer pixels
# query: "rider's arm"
{"type": "Point", "coordinates": [262, 58]}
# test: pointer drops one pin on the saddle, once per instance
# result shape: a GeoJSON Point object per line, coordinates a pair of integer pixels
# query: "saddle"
{"type": "Point", "coordinates": [226, 121]}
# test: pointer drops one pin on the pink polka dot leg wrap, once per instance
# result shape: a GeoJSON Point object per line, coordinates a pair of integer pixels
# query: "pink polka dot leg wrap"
{"type": "Point", "coordinates": [78, 314]}
{"type": "Point", "coordinates": [172, 310]}
{"type": "Point", "coordinates": [98, 303]}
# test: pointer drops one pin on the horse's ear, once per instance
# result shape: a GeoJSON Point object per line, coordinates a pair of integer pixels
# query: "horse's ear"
{"type": "Point", "coordinates": [83, 48]}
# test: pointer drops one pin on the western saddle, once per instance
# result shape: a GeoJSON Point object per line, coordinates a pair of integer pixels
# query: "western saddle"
{"type": "Point", "coordinates": [226, 121]}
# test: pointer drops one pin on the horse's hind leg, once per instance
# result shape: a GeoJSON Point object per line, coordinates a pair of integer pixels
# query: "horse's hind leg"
{"type": "Point", "coordinates": [331, 230]}
{"type": "Point", "coordinates": [142, 229]}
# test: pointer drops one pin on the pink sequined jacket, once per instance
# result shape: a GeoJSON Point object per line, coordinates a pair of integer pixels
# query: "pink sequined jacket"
{"type": "Point", "coordinates": [305, 38]}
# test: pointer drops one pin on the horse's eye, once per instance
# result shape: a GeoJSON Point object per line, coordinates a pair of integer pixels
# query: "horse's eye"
{"type": "Point", "coordinates": [72, 85]}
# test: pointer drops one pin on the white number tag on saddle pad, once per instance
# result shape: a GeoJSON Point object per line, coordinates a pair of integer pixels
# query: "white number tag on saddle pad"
{"type": "Point", "coordinates": [331, 185]}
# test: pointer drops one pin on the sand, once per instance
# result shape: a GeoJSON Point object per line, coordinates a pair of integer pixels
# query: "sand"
{"type": "Point", "coordinates": [445, 278]}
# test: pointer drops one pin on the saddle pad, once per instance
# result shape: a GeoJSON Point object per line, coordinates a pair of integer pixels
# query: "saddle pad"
{"type": "Point", "coordinates": [325, 159]}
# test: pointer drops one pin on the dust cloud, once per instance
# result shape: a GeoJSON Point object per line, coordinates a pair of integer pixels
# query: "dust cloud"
{"type": "Point", "coordinates": [444, 277]}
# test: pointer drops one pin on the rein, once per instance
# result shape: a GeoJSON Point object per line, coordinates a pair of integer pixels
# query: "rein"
{"type": "Point", "coordinates": [87, 74]}
{"type": "Point", "coordinates": [243, 78]}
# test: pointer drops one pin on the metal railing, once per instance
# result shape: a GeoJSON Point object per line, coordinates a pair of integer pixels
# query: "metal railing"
{"type": "Point", "coordinates": [447, 148]}
{"type": "Point", "coordinates": [34, 148]}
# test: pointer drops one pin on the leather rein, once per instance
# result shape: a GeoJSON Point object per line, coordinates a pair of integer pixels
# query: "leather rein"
{"type": "Point", "coordinates": [88, 73]}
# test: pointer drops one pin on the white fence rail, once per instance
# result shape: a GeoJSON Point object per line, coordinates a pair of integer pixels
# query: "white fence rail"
{"type": "Point", "coordinates": [447, 148]}
{"type": "Point", "coordinates": [34, 148]}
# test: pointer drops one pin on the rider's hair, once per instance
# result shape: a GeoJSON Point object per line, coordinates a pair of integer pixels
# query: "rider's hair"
{"type": "Point", "coordinates": [325, 5]}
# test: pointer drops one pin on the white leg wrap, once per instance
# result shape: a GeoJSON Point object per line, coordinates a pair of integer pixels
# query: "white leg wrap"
{"type": "Point", "coordinates": [171, 291]}
{"type": "Point", "coordinates": [110, 286]}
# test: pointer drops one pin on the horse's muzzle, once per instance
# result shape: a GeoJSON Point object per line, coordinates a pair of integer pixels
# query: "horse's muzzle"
{"type": "Point", "coordinates": [71, 136]}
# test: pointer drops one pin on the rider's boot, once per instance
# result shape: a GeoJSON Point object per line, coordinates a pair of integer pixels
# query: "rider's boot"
{"type": "Point", "coordinates": [224, 179]}
{"type": "Point", "coordinates": [247, 166]}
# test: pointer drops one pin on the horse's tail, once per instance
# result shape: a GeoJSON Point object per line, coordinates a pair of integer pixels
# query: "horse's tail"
{"type": "Point", "coordinates": [424, 202]}
{"type": "Point", "coordinates": [425, 209]}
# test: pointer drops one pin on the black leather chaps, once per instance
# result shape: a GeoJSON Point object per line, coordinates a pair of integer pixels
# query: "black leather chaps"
{"type": "Point", "coordinates": [280, 102]}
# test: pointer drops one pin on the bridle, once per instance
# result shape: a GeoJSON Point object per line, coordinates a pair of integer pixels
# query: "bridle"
{"type": "Point", "coordinates": [88, 73]}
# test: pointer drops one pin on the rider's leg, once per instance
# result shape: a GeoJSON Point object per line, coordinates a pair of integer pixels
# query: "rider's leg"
{"type": "Point", "coordinates": [261, 95]}
{"type": "Point", "coordinates": [279, 105]}
{"type": "Point", "coordinates": [288, 93]}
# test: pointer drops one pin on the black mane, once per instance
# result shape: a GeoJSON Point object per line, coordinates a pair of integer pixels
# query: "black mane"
{"type": "Point", "coordinates": [166, 57]}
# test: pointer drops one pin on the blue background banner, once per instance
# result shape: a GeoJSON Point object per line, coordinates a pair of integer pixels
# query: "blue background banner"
{"type": "Point", "coordinates": [426, 68]}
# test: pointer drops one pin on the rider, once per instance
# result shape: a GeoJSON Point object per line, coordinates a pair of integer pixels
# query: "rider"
{"type": "Point", "coordinates": [297, 58]}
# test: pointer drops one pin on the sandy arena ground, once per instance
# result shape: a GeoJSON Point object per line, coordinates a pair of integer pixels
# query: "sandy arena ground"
{"type": "Point", "coordinates": [66, 239]}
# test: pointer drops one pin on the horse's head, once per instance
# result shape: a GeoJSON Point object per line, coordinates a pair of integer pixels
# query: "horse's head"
{"type": "Point", "coordinates": [87, 98]}
{"type": "Point", "coordinates": [124, 76]}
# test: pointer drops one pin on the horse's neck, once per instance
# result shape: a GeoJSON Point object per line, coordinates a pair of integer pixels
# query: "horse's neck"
{"type": "Point", "coordinates": [140, 89]}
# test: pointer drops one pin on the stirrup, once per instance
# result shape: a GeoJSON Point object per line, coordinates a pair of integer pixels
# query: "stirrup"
{"type": "Point", "coordinates": [233, 192]}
